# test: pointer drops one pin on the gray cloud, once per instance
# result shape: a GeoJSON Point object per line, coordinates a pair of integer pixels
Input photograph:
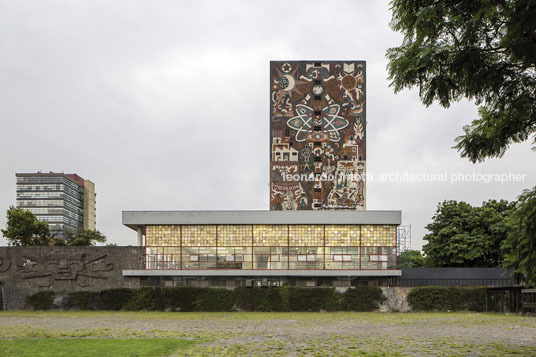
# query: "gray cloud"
{"type": "Point", "coordinates": [164, 104]}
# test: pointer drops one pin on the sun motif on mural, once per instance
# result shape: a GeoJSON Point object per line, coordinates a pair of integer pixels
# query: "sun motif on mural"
{"type": "Point", "coordinates": [331, 122]}
{"type": "Point", "coordinates": [351, 84]}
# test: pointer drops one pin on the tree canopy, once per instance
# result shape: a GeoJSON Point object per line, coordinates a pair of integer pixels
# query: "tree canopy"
{"type": "Point", "coordinates": [411, 259]}
{"type": "Point", "coordinates": [465, 236]}
{"type": "Point", "coordinates": [484, 50]}
{"type": "Point", "coordinates": [83, 237]}
{"type": "Point", "coordinates": [520, 244]}
{"type": "Point", "coordinates": [24, 229]}
{"type": "Point", "coordinates": [481, 50]}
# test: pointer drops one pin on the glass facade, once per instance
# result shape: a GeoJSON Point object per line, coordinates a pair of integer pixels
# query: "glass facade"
{"type": "Point", "coordinates": [53, 198]}
{"type": "Point", "coordinates": [271, 247]}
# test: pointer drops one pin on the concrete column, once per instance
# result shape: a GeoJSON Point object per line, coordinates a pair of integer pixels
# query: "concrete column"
{"type": "Point", "coordinates": [140, 236]}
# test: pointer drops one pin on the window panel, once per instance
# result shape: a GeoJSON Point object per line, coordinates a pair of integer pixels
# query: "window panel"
{"type": "Point", "coordinates": [234, 258]}
{"type": "Point", "coordinates": [342, 235]}
{"type": "Point", "coordinates": [378, 258]}
{"type": "Point", "coordinates": [303, 258]}
{"type": "Point", "coordinates": [306, 235]}
{"type": "Point", "coordinates": [234, 235]}
{"type": "Point", "coordinates": [162, 236]}
{"type": "Point", "coordinates": [270, 235]}
{"type": "Point", "coordinates": [199, 235]}
{"type": "Point", "coordinates": [342, 258]}
{"type": "Point", "coordinates": [378, 235]}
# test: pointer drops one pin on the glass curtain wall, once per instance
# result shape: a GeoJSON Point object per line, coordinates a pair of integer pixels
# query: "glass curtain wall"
{"type": "Point", "coordinates": [271, 247]}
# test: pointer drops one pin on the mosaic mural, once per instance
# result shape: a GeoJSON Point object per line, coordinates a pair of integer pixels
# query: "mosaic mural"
{"type": "Point", "coordinates": [317, 135]}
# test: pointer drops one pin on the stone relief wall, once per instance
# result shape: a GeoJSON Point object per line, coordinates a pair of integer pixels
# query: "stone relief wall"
{"type": "Point", "coordinates": [27, 270]}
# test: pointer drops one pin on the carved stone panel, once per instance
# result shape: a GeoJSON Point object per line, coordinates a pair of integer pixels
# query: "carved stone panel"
{"type": "Point", "coordinates": [53, 270]}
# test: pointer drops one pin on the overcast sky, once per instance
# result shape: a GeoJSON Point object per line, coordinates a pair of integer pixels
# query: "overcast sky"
{"type": "Point", "coordinates": [164, 105]}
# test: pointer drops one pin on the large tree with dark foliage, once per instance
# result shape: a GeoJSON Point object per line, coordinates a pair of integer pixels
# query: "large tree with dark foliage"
{"type": "Point", "coordinates": [521, 242]}
{"type": "Point", "coordinates": [465, 236]}
{"type": "Point", "coordinates": [483, 50]}
{"type": "Point", "coordinates": [23, 228]}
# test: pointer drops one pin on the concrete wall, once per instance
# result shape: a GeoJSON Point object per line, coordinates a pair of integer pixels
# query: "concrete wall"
{"type": "Point", "coordinates": [89, 205]}
{"type": "Point", "coordinates": [396, 300]}
{"type": "Point", "coordinates": [27, 270]}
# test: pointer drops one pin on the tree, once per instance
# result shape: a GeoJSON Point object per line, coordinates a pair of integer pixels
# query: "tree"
{"type": "Point", "coordinates": [83, 237]}
{"type": "Point", "coordinates": [24, 229]}
{"type": "Point", "coordinates": [520, 244]}
{"type": "Point", "coordinates": [411, 259]}
{"type": "Point", "coordinates": [481, 50]}
{"type": "Point", "coordinates": [465, 236]}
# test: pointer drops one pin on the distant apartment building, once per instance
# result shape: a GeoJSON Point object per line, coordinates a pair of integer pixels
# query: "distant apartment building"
{"type": "Point", "coordinates": [64, 201]}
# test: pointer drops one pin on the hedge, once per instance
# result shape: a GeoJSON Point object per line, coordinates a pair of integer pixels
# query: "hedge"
{"type": "Point", "coordinates": [365, 298]}
{"type": "Point", "coordinates": [180, 299]}
{"type": "Point", "coordinates": [317, 299]}
{"type": "Point", "coordinates": [81, 300]}
{"type": "Point", "coordinates": [436, 298]}
{"type": "Point", "coordinates": [142, 299]}
{"type": "Point", "coordinates": [260, 299]}
{"type": "Point", "coordinates": [216, 299]}
{"type": "Point", "coordinates": [42, 300]}
{"type": "Point", "coordinates": [115, 299]}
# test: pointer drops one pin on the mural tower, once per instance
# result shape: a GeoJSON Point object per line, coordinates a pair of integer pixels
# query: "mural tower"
{"type": "Point", "coordinates": [317, 135]}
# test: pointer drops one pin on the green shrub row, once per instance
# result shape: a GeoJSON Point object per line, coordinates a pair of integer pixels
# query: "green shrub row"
{"type": "Point", "coordinates": [292, 299]}
{"type": "Point", "coordinates": [436, 298]}
{"type": "Point", "coordinates": [429, 298]}
{"type": "Point", "coordinates": [42, 300]}
{"type": "Point", "coordinates": [212, 299]}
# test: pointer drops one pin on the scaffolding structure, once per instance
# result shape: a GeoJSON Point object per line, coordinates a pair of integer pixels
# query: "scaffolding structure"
{"type": "Point", "coordinates": [403, 238]}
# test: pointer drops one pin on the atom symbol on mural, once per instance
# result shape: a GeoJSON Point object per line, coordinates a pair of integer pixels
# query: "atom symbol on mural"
{"type": "Point", "coordinates": [331, 121]}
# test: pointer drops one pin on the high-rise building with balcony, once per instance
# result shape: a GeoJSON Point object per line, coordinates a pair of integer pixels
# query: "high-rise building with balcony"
{"type": "Point", "coordinates": [64, 201]}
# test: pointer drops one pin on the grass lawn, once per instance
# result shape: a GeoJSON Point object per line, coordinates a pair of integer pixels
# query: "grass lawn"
{"type": "Point", "coordinates": [81, 347]}
{"type": "Point", "coordinates": [95, 333]}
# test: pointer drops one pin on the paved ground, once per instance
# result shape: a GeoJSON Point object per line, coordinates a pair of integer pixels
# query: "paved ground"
{"type": "Point", "coordinates": [295, 334]}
